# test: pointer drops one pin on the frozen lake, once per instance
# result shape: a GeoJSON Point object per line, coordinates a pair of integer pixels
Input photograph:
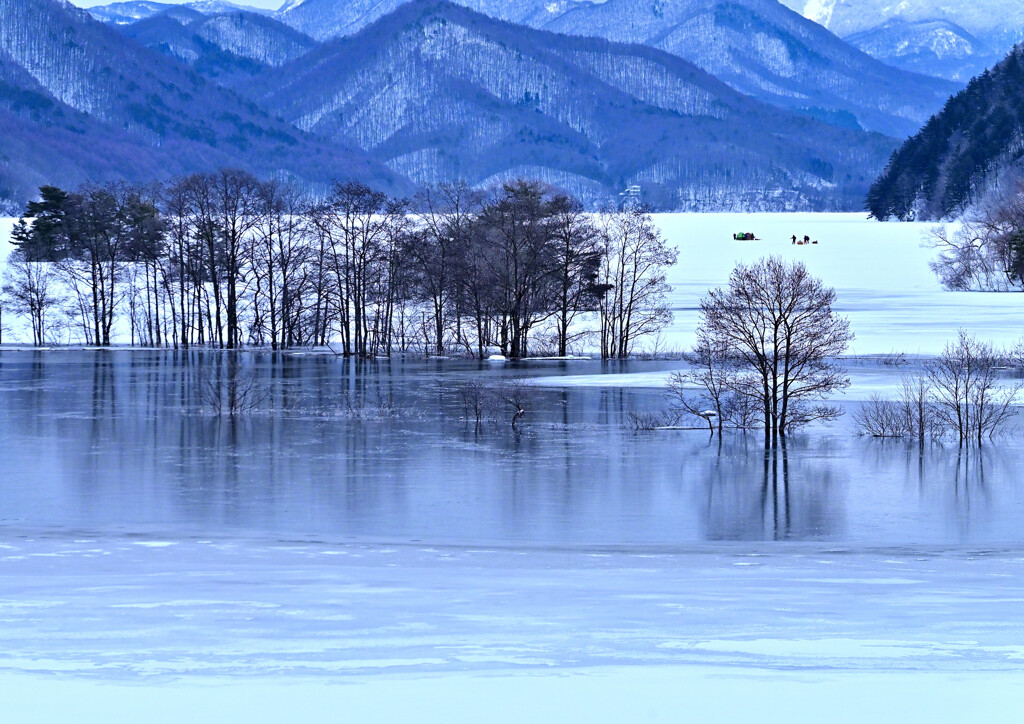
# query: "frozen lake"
{"type": "Point", "coordinates": [363, 549]}
{"type": "Point", "coordinates": [880, 273]}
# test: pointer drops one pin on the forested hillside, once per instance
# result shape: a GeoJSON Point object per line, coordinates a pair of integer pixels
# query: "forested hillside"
{"type": "Point", "coordinates": [82, 101]}
{"type": "Point", "coordinates": [951, 162]}
{"type": "Point", "coordinates": [438, 91]}
{"type": "Point", "coordinates": [226, 48]}
{"type": "Point", "coordinates": [767, 51]}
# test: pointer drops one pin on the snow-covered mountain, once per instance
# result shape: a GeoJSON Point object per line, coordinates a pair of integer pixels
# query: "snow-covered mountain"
{"type": "Point", "coordinates": [934, 47]}
{"type": "Point", "coordinates": [227, 47]}
{"type": "Point", "coordinates": [323, 19]}
{"type": "Point", "coordinates": [758, 47]}
{"type": "Point", "coordinates": [979, 17]}
{"type": "Point", "coordinates": [769, 52]}
{"type": "Point", "coordinates": [438, 92]}
{"type": "Point", "coordinates": [81, 101]}
{"type": "Point", "coordinates": [124, 13]}
{"type": "Point", "coordinates": [994, 25]}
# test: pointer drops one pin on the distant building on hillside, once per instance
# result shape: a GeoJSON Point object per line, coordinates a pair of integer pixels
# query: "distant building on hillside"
{"type": "Point", "coordinates": [631, 197]}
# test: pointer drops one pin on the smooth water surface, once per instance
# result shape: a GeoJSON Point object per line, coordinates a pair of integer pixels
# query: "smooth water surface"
{"type": "Point", "coordinates": [123, 442]}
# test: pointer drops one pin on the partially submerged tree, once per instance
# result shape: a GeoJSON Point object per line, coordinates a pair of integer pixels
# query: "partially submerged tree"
{"type": "Point", "coordinates": [576, 262]}
{"type": "Point", "coordinates": [911, 415]}
{"type": "Point", "coordinates": [777, 321]}
{"type": "Point", "coordinates": [969, 401]}
{"type": "Point", "coordinates": [516, 397]}
{"type": "Point", "coordinates": [713, 372]}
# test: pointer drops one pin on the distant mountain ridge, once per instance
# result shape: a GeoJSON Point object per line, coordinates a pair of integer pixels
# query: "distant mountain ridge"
{"type": "Point", "coordinates": [83, 102]}
{"type": "Point", "coordinates": [327, 19]}
{"type": "Point", "coordinates": [438, 91]}
{"type": "Point", "coordinates": [948, 38]}
{"type": "Point", "coordinates": [125, 13]}
{"type": "Point", "coordinates": [762, 49]}
{"type": "Point", "coordinates": [227, 47]}
{"type": "Point", "coordinates": [759, 47]}
{"type": "Point", "coordinates": [935, 47]}
{"type": "Point", "coordinates": [960, 152]}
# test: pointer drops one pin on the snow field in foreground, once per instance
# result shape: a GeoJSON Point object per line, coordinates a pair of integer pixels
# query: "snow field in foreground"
{"type": "Point", "coordinates": [108, 627]}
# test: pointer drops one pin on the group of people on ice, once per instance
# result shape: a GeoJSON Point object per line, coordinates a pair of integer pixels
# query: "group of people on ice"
{"type": "Point", "coordinates": [749, 236]}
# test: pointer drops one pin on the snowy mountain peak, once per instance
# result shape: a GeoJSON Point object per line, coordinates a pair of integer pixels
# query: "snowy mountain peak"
{"type": "Point", "coordinates": [820, 11]}
{"type": "Point", "coordinates": [125, 13]}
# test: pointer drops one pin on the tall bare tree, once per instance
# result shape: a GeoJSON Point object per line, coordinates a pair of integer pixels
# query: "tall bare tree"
{"type": "Point", "coordinates": [447, 213]}
{"type": "Point", "coordinates": [31, 289]}
{"type": "Point", "coordinates": [778, 321]}
{"type": "Point", "coordinates": [577, 258]}
{"type": "Point", "coordinates": [631, 284]}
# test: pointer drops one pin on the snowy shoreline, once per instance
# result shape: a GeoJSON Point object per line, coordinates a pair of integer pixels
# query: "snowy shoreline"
{"type": "Point", "coordinates": [880, 272]}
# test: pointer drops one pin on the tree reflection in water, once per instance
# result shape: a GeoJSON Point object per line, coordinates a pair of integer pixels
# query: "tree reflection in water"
{"type": "Point", "coordinates": [119, 438]}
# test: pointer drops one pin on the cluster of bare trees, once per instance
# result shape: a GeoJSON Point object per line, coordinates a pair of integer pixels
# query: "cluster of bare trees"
{"type": "Point", "coordinates": [960, 395]}
{"type": "Point", "coordinates": [986, 250]}
{"type": "Point", "coordinates": [228, 260]}
{"type": "Point", "coordinates": [767, 352]}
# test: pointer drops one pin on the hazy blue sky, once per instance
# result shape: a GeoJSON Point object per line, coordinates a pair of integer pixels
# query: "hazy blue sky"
{"type": "Point", "coordinates": [274, 4]}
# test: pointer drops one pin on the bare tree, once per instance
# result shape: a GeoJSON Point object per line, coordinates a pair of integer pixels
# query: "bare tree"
{"type": "Point", "coordinates": [713, 373]}
{"type": "Point", "coordinates": [881, 417]}
{"type": "Point", "coordinates": [448, 210]}
{"type": "Point", "coordinates": [777, 321]}
{"type": "Point", "coordinates": [576, 263]}
{"type": "Point", "coordinates": [476, 399]}
{"type": "Point", "coordinates": [969, 401]}
{"type": "Point", "coordinates": [31, 289]}
{"type": "Point", "coordinates": [516, 396]}
{"type": "Point", "coordinates": [631, 284]}
{"type": "Point", "coordinates": [986, 251]}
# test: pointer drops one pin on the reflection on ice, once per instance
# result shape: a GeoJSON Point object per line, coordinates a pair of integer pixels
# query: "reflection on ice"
{"type": "Point", "coordinates": [120, 440]}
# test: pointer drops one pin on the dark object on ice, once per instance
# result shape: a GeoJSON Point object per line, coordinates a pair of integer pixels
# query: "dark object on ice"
{"type": "Point", "coordinates": [794, 238]}
{"type": "Point", "coordinates": [807, 239]}
{"type": "Point", "coordinates": [745, 236]}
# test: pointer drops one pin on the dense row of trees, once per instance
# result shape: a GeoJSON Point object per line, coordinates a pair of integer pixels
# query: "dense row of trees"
{"type": "Point", "coordinates": [228, 260]}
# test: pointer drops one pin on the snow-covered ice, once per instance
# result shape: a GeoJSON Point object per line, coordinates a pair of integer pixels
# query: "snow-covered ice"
{"type": "Point", "coordinates": [879, 270]}
{"type": "Point", "coordinates": [253, 630]}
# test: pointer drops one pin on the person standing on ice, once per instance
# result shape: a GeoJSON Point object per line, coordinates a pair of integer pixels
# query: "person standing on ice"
{"type": "Point", "coordinates": [794, 238]}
